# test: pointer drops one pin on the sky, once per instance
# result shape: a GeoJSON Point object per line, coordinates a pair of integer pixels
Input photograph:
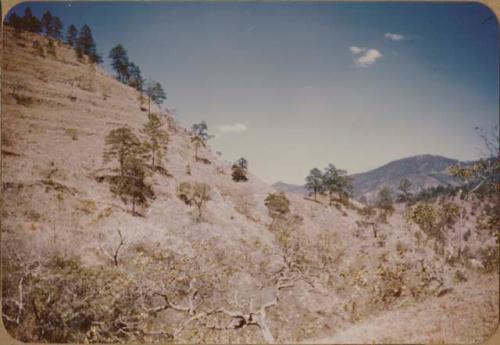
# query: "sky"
{"type": "Point", "coordinates": [293, 86]}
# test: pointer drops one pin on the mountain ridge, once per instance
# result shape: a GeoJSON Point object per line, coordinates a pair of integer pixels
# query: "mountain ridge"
{"type": "Point", "coordinates": [424, 171]}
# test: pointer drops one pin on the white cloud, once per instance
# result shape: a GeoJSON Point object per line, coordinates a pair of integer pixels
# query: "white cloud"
{"type": "Point", "coordinates": [356, 50]}
{"type": "Point", "coordinates": [365, 57]}
{"type": "Point", "coordinates": [232, 128]}
{"type": "Point", "coordinates": [394, 37]}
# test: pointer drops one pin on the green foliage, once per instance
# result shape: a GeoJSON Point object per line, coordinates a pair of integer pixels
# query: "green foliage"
{"type": "Point", "coordinates": [336, 181]}
{"type": "Point", "coordinates": [85, 45]}
{"type": "Point", "coordinates": [155, 93]}
{"type": "Point", "coordinates": [135, 77]}
{"type": "Point", "coordinates": [433, 220]}
{"type": "Point", "coordinates": [314, 182]}
{"type": "Point", "coordinates": [239, 170]}
{"type": "Point", "coordinates": [196, 194]}
{"type": "Point", "coordinates": [157, 140]}
{"type": "Point", "coordinates": [124, 146]}
{"type": "Point", "coordinates": [277, 204]}
{"type": "Point", "coordinates": [199, 136]}
{"type": "Point", "coordinates": [120, 62]}
{"type": "Point", "coordinates": [132, 186]}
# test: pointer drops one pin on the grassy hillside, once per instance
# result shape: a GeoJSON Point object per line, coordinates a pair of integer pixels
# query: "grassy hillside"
{"type": "Point", "coordinates": [79, 266]}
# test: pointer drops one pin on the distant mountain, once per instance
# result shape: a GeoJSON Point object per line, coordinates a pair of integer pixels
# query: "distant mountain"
{"type": "Point", "coordinates": [290, 188]}
{"type": "Point", "coordinates": [424, 171]}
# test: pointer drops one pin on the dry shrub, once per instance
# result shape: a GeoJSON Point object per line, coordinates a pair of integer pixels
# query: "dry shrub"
{"type": "Point", "coordinates": [72, 132]}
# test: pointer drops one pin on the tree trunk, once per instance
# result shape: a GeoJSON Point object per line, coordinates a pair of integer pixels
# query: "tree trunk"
{"type": "Point", "coordinates": [264, 328]}
{"type": "Point", "coordinates": [133, 205]}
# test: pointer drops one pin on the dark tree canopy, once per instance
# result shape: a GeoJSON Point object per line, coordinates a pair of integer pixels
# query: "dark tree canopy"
{"type": "Point", "coordinates": [47, 23]}
{"type": "Point", "coordinates": [85, 45]}
{"type": "Point", "coordinates": [120, 63]}
{"type": "Point", "coordinates": [135, 77]}
{"type": "Point", "coordinates": [29, 22]}
{"type": "Point", "coordinates": [314, 182]}
{"type": "Point", "coordinates": [57, 29]}
{"type": "Point", "coordinates": [72, 35]}
{"type": "Point", "coordinates": [157, 140]}
{"type": "Point", "coordinates": [15, 21]}
{"type": "Point", "coordinates": [155, 92]}
{"type": "Point", "coordinates": [336, 181]}
{"type": "Point", "coordinates": [239, 170]}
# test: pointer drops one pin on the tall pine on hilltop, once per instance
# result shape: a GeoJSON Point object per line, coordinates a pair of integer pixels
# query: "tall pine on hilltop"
{"type": "Point", "coordinates": [85, 45]}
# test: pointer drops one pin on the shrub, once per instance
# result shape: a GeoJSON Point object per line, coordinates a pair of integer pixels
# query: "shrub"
{"type": "Point", "coordinates": [239, 174]}
{"type": "Point", "coordinates": [277, 204]}
{"type": "Point", "coordinates": [72, 132]}
{"type": "Point", "coordinates": [426, 217]}
{"type": "Point", "coordinates": [196, 194]}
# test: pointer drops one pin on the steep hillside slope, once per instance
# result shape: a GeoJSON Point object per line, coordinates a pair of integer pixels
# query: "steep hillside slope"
{"type": "Point", "coordinates": [89, 270]}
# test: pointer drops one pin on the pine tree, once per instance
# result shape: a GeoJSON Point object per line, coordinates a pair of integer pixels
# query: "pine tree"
{"type": "Point", "coordinates": [71, 35]}
{"type": "Point", "coordinates": [57, 28]}
{"type": "Point", "coordinates": [135, 78]}
{"type": "Point", "coordinates": [314, 182]}
{"type": "Point", "coordinates": [15, 22]}
{"type": "Point", "coordinates": [85, 45]}
{"type": "Point", "coordinates": [47, 23]}
{"type": "Point", "coordinates": [120, 63]}
{"type": "Point", "coordinates": [199, 136]}
{"type": "Point", "coordinates": [155, 93]}
{"type": "Point", "coordinates": [30, 22]}
{"type": "Point", "coordinates": [132, 184]}
{"type": "Point", "coordinates": [123, 145]}
{"type": "Point", "coordinates": [157, 138]}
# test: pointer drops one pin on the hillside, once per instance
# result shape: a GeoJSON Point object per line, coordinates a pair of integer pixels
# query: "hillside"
{"type": "Point", "coordinates": [79, 266]}
{"type": "Point", "coordinates": [424, 171]}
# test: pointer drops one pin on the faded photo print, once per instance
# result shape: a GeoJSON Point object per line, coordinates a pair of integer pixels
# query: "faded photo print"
{"type": "Point", "coordinates": [250, 172]}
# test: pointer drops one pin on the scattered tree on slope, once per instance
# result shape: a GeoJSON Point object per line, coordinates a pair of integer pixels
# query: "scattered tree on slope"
{"type": "Point", "coordinates": [314, 182]}
{"type": "Point", "coordinates": [157, 138]}
{"type": "Point", "coordinates": [239, 170]}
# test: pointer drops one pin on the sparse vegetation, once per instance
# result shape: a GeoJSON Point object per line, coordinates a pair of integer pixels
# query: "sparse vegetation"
{"type": "Point", "coordinates": [385, 200]}
{"type": "Point", "coordinates": [196, 194]}
{"type": "Point", "coordinates": [314, 182]}
{"type": "Point", "coordinates": [157, 139]}
{"type": "Point", "coordinates": [239, 170]}
{"type": "Point", "coordinates": [199, 137]}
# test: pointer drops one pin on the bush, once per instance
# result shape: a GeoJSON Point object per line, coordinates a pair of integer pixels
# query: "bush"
{"type": "Point", "coordinates": [239, 174]}
{"type": "Point", "coordinates": [67, 302]}
{"type": "Point", "coordinates": [196, 194]}
{"type": "Point", "coordinates": [277, 204]}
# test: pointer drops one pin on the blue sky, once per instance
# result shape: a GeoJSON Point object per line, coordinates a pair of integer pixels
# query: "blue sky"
{"type": "Point", "coordinates": [292, 86]}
